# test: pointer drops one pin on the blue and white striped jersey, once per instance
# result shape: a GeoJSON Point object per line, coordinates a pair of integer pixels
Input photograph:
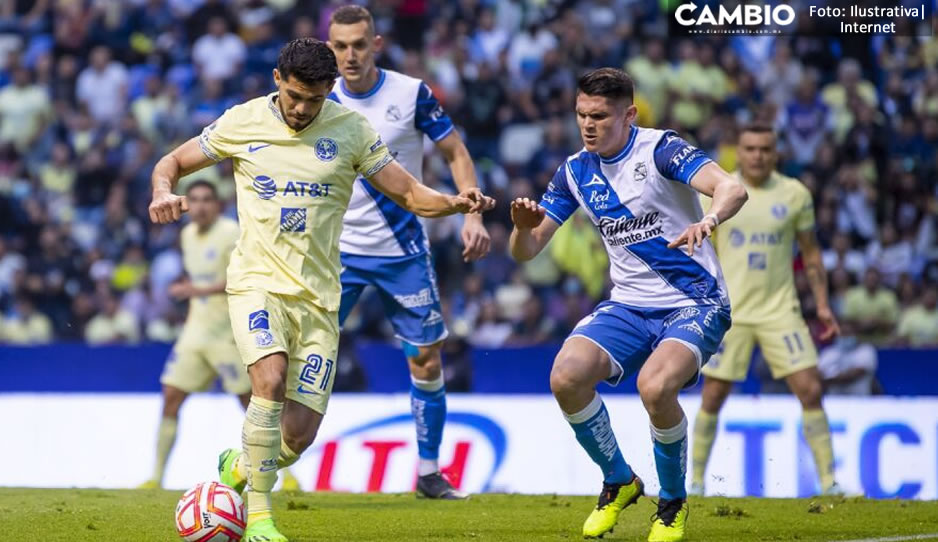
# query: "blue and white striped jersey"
{"type": "Point", "coordinates": [402, 110]}
{"type": "Point", "coordinates": [641, 200]}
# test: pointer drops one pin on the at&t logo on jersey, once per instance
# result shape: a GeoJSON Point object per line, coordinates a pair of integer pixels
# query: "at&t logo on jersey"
{"type": "Point", "coordinates": [326, 149]}
{"type": "Point", "coordinates": [265, 187]}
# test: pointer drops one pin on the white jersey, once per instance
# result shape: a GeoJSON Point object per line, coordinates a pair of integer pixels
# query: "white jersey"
{"type": "Point", "coordinates": [401, 109]}
{"type": "Point", "coordinates": [641, 200]}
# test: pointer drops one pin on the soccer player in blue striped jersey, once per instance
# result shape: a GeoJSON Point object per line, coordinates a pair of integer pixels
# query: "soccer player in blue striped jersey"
{"type": "Point", "coordinates": [669, 307]}
{"type": "Point", "coordinates": [384, 245]}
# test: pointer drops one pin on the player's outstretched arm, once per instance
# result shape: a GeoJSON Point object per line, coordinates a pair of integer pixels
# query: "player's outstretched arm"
{"type": "Point", "coordinates": [475, 237]}
{"type": "Point", "coordinates": [167, 207]}
{"type": "Point", "coordinates": [399, 185]}
{"type": "Point", "coordinates": [817, 279]}
{"type": "Point", "coordinates": [531, 232]}
{"type": "Point", "coordinates": [728, 196]}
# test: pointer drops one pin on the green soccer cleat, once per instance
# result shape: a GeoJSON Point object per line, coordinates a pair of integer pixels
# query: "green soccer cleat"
{"type": "Point", "coordinates": [669, 522]}
{"type": "Point", "coordinates": [613, 499]}
{"type": "Point", "coordinates": [263, 531]}
{"type": "Point", "coordinates": [226, 472]}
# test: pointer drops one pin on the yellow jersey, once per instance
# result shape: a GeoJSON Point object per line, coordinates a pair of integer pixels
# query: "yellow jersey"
{"type": "Point", "coordinates": [756, 249]}
{"type": "Point", "coordinates": [292, 190]}
{"type": "Point", "coordinates": [205, 257]}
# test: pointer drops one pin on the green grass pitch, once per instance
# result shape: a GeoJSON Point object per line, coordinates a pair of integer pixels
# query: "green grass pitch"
{"type": "Point", "coordinates": [144, 515]}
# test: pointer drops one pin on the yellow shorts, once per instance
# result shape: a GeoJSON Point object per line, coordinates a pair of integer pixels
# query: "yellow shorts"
{"type": "Point", "coordinates": [266, 323]}
{"type": "Point", "coordinates": [193, 367]}
{"type": "Point", "coordinates": [787, 348]}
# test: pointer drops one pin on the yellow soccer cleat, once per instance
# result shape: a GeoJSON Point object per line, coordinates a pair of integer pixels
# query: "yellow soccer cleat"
{"type": "Point", "coordinates": [263, 531]}
{"type": "Point", "coordinates": [669, 522]}
{"type": "Point", "coordinates": [227, 474]}
{"type": "Point", "coordinates": [613, 499]}
{"type": "Point", "coordinates": [150, 484]}
{"type": "Point", "coordinates": [290, 483]}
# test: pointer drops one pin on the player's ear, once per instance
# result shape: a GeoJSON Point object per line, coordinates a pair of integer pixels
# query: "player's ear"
{"type": "Point", "coordinates": [630, 113]}
{"type": "Point", "coordinates": [378, 43]}
{"type": "Point", "coordinates": [277, 77]}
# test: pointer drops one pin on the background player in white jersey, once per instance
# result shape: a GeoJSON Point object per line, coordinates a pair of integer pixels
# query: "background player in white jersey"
{"type": "Point", "coordinates": [669, 308]}
{"type": "Point", "coordinates": [296, 156]}
{"type": "Point", "coordinates": [756, 249]}
{"type": "Point", "coordinates": [206, 349]}
{"type": "Point", "coordinates": [384, 245]}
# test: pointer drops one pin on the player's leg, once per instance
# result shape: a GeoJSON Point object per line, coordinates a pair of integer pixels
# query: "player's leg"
{"type": "Point", "coordinates": [730, 364]}
{"type": "Point", "coordinates": [411, 302]}
{"type": "Point", "coordinates": [806, 385]}
{"type": "Point", "coordinates": [688, 336]}
{"type": "Point", "coordinates": [185, 372]}
{"type": "Point", "coordinates": [166, 434]}
{"type": "Point", "coordinates": [790, 353]}
{"type": "Point", "coordinates": [607, 345]}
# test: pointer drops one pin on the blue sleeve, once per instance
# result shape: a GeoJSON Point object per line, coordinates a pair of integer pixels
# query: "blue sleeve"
{"type": "Point", "coordinates": [334, 97]}
{"type": "Point", "coordinates": [429, 116]}
{"type": "Point", "coordinates": [677, 159]}
{"type": "Point", "coordinates": [558, 201]}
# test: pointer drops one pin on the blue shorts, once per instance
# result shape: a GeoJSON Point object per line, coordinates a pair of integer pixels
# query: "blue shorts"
{"type": "Point", "coordinates": [408, 291]}
{"type": "Point", "coordinates": [630, 334]}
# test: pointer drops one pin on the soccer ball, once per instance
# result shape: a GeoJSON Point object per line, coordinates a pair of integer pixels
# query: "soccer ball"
{"type": "Point", "coordinates": [210, 512]}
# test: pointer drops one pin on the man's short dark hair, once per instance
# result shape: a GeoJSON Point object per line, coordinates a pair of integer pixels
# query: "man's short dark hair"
{"type": "Point", "coordinates": [202, 183]}
{"type": "Point", "coordinates": [757, 128]}
{"type": "Point", "coordinates": [308, 60]}
{"type": "Point", "coordinates": [610, 83]}
{"type": "Point", "coordinates": [352, 14]}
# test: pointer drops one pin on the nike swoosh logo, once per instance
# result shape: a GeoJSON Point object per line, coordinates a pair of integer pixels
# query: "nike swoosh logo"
{"type": "Point", "coordinates": [301, 389]}
{"type": "Point", "coordinates": [253, 148]}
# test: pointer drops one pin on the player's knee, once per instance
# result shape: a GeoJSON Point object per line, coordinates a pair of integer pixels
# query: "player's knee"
{"type": "Point", "coordinates": [714, 394]}
{"type": "Point", "coordinates": [269, 386]}
{"type": "Point", "coordinates": [172, 401]}
{"type": "Point", "coordinates": [566, 378]}
{"type": "Point", "coordinates": [656, 393]}
{"type": "Point", "coordinates": [428, 359]}
{"type": "Point", "coordinates": [810, 394]}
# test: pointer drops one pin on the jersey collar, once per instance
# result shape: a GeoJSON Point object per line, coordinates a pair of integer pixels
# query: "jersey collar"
{"type": "Point", "coordinates": [367, 93]}
{"type": "Point", "coordinates": [633, 131]}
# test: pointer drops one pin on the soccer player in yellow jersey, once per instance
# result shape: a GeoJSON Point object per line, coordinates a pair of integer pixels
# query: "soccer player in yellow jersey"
{"type": "Point", "coordinates": [206, 348]}
{"type": "Point", "coordinates": [755, 249]}
{"type": "Point", "coordinates": [296, 157]}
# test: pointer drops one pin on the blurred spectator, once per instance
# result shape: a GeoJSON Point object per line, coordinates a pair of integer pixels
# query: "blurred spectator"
{"type": "Point", "coordinates": [26, 325]}
{"type": "Point", "coordinates": [112, 325]}
{"type": "Point", "coordinates": [578, 249]}
{"type": "Point", "coordinates": [848, 367]}
{"type": "Point", "coordinates": [652, 75]}
{"type": "Point", "coordinates": [102, 87]}
{"type": "Point", "coordinates": [488, 41]}
{"type": "Point", "coordinates": [779, 79]}
{"type": "Point", "coordinates": [804, 122]}
{"type": "Point", "coordinates": [534, 326]}
{"type": "Point", "coordinates": [219, 54]}
{"type": "Point", "coordinates": [25, 108]}
{"type": "Point", "coordinates": [841, 254]}
{"type": "Point", "coordinates": [837, 95]}
{"type": "Point", "coordinates": [889, 254]}
{"type": "Point", "coordinates": [491, 331]}
{"type": "Point", "coordinates": [918, 325]}
{"type": "Point", "coordinates": [871, 309]}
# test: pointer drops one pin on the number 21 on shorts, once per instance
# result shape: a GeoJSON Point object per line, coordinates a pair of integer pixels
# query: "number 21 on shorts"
{"type": "Point", "coordinates": [315, 373]}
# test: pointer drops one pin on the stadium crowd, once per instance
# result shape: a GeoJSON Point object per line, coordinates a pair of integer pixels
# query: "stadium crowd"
{"type": "Point", "coordinates": [92, 92]}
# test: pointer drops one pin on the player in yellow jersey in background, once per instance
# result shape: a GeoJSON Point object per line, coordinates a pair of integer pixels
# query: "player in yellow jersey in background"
{"type": "Point", "coordinates": [755, 249]}
{"type": "Point", "coordinates": [296, 157]}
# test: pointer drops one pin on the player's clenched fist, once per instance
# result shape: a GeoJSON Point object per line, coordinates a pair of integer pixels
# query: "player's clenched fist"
{"type": "Point", "coordinates": [167, 207]}
{"type": "Point", "coordinates": [526, 213]}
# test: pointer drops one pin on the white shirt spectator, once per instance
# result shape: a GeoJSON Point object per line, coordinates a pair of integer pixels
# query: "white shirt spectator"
{"type": "Point", "coordinates": [527, 50]}
{"type": "Point", "coordinates": [846, 354]}
{"type": "Point", "coordinates": [104, 92]}
{"type": "Point", "coordinates": [219, 57]}
{"type": "Point", "coordinates": [892, 260]}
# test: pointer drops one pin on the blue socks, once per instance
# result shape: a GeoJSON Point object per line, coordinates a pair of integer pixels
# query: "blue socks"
{"type": "Point", "coordinates": [594, 433]}
{"type": "Point", "coordinates": [671, 459]}
{"type": "Point", "coordinates": [428, 405]}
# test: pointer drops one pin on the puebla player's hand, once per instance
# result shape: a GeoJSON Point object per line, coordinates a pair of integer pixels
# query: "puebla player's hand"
{"type": "Point", "coordinates": [694, 235]}
{"type": "Point", "coordinates": [475, 238]}
{"type": "Point", "coordinates": [526, 214]}
{"type": "Point", "coordinates": [167, 207]}
{"type": "Point", "coordinates": [481, 202]}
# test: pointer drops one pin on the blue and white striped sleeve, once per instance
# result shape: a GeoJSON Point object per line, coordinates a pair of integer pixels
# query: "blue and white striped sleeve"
{"type": "Point", "coordinates": [429, 116]}
{"type": "Point", "coordinates": [677, 159]}
{"type": "Point", "coordinates": [558, 202]}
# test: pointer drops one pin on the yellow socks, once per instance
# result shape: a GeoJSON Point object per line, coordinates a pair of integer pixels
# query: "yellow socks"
{"type": "Point", "coordinates": [261, 439]}
{"type": "Point", "coordinates": [818, 434]}
{"type": "Point", "coordinates": [166, 438]}
{"type": "Point", "coordinates": [287, 456]}
{"type": "Point", "coordinates": [705, 430]}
